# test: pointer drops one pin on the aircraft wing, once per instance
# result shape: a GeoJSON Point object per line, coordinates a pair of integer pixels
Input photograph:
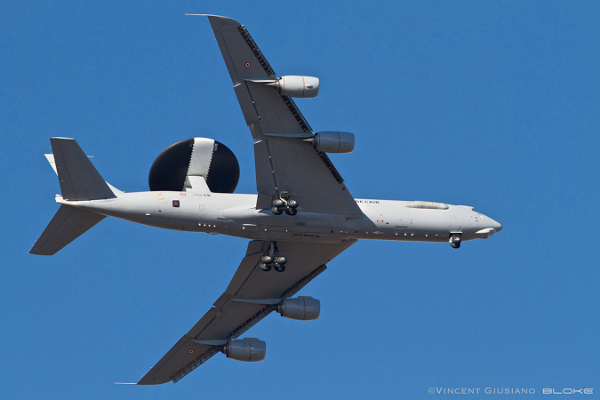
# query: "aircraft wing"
{"type": "Point", "coordinates": [284, 162]}
{"type": "Point", "coordinates": [229, 319]}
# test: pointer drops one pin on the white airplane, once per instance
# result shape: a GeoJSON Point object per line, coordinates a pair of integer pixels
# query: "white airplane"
{"type": "Point", "coordinates": [302, 217]}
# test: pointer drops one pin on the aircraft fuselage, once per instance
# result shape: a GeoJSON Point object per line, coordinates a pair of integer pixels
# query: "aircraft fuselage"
{"type": "Point", "coordinates": [236, 215]}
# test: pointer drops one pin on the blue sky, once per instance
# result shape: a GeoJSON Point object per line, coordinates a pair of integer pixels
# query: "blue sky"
{"type": "Point", "coordinates": [489, 104]}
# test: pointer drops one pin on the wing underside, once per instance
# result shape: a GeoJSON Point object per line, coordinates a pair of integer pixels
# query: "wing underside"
{"type": "Point", "coordinates": [229, 319]}
{"type": "Point", "coordinates": [284, 162]}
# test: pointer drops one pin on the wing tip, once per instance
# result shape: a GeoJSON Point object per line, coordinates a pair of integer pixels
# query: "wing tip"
{"type": "Point", "coordinates": [213, 16]}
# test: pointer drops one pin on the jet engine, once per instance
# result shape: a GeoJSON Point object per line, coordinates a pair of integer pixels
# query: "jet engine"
{"type": "Point", "coordinates": [247, 350]}
{"type": "Point", "coordinates": [333, 142]}
{"type": "Point", "coordinates": [303, 308]}
{"type": "Point", "coordinates": [196, 157]}
{"type": "Point", "coordinates": [297, 86]}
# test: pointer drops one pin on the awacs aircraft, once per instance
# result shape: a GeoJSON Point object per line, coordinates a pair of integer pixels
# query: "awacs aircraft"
{"type": "Point", "coordinates": [302, 217]}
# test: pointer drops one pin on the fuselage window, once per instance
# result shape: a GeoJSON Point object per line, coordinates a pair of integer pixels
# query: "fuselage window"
{"type": "Point", "coordinates": [175, 203]}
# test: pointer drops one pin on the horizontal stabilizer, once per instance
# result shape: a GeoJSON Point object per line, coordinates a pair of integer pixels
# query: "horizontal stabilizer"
{"type": "Point", "coordinates": [78, 178]}
{"type": "Point", "coordinates": [67, 225]}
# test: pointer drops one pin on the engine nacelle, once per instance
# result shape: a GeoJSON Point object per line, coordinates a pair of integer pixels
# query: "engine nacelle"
{"type": "Point", "coordinates": [297, 86]}
{"type": "Point", "coordinates": [302, 308]}
{"type": "Point", "coordinates": [197, 157]}
{"type": "Point", "coordinates": [247, 350]}
{"type": "Point", "coordinates": [334, 142]}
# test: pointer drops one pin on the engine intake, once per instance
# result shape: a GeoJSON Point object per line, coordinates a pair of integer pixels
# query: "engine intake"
{"type": "Point", "coordinates": [333, 142]}
{"type": "Point", "coordinates": [247, 350]}
{"type": "Point", "coordinates": [303, 308]}
{"type": "Point", "coordinates": [297, 86]}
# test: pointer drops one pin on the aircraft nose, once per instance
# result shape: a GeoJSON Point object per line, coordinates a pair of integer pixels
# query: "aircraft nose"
{"type": "Point", "coordinates": [496, 225]}
{"type": "Point", "coordinates": [491, 227]}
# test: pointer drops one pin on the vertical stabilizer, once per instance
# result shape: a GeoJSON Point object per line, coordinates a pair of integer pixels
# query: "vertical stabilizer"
{"type": "Point", "coordinates": [78, 178]}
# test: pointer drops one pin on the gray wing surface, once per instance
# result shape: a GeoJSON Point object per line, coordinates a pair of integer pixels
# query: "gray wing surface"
{"type": "Point", "coordinates": [229, 319]}
{"type": "Point", "coordinates": [283, 162]}
{"type": "Point", "coordinates": [67, 225]}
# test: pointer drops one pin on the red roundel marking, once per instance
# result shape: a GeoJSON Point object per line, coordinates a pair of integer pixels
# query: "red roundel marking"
{"type": "Point", "coordinates": [191, 351]}
{"type": "Point", "coordinates": [183, 194]}
{"type": "Point", "coordinates": [247, 64]}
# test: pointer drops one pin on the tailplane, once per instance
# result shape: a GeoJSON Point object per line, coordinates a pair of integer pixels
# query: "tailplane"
{"type": "Point", "coordinates": [67, 225]}
{"type": "Point", "coordinates": [79, 181]}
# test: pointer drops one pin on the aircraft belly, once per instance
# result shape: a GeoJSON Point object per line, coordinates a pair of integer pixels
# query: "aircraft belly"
{"type": "Point", "coordinates": [392, 220]}
{"type": "Point", "coordinates": [274, 233]}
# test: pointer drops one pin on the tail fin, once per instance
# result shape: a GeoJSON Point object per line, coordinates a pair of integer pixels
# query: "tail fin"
{"type": "Point", "coordinates": [67, 225]}
{"type": "Point", "coordinates": [79, 180]}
